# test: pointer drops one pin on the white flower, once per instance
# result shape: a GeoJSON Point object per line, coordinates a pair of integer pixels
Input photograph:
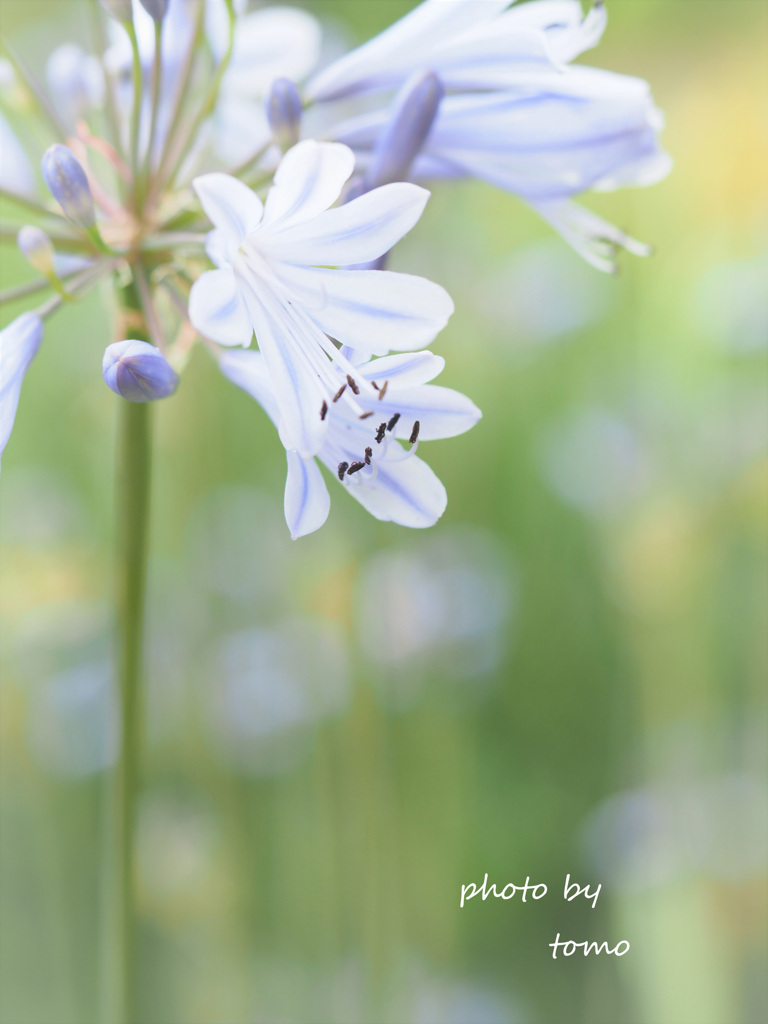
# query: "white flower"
{"type": "Point", "coordinates": [15, 171]}
{"type": "Point", "coordinates": [515, 115]}
{"type": "Point", "coordinates": [19, 343]}
{"type": "Point", "coordinates": [274, 278]}
{"type": "Point", "coordinates": [275, 42]}
{"type": "Point", "coordinates": [473, 45]}
{"type": "Point", "coordinates": [361, 447]}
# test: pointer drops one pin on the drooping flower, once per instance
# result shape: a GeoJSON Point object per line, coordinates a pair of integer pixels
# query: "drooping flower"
{"type": "Point", "coordinates": [19, 343]}
{"type": "Point", "coordinates": [274, 279]}
{"type": "Point", "coordinates": [516, 115]}
{"type": "Point", "coordinates": [362, 445]}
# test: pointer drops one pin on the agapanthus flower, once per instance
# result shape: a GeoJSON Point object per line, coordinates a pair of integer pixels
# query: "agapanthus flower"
{"type": "Point", "coordinates": [457, 88]}
{"type": "Point", "coordinates": [515, 113]}
{"type": "Point", "coordinates": [362, 447]}
{"type": "Point", "coordinates": [275, 278]}
{"type": "Point", "coordinates": [19, 344]}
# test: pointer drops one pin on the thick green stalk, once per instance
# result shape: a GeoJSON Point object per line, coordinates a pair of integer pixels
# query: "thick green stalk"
{"type": "Point", "coordinates": [133, 488]}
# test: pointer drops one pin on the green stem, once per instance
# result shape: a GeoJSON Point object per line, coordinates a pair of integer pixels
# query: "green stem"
{"type": "Point", "coordinates": [133, 487]}
{"type": "Point", "coordinates": [156, 83]}
{"type": "Point", "coordinates": [136, 111]}
{"type": "Point", "coordinates": [209, 102]}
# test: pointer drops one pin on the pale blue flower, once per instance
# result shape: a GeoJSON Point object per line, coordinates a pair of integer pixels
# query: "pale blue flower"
{"type": "Point", "coordinates": [274, 278]}
{"type": "Point", "coordinates": [515, 115]}
{"type": "Point", "coordinates": [76, 82]}
{"type": "Point", "coordinates": [138, 371]}
{"type": "Point", "coordinates": [15, 170]}
{"type": "Point", "coordinates": [19, 344]}
{"type": "Point", "coordinates": [361, 447]}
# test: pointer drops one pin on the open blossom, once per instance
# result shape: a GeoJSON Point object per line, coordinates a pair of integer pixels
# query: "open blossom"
{"type": "Point", "coordinates": [275, 279]}
{"type": "Point", "coordinates": [515, 114]}
{"type": "Point", "coordinates": [19, 343]}
{"type": "Point", "coordinates": [362, 446]}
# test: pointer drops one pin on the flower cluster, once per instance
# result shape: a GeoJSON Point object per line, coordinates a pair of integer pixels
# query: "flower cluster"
{"type": "Point", "coordinates": [194, 113]}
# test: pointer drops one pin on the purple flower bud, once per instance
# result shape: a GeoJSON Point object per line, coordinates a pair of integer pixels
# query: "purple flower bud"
{"type": "Point", "coordinates": [138, 371]}
{"type": "Point", "coordinates": [413, 112]}
{"type": "Point", "coordinates": [284, 109]}
{"type": "Point", "coordinates": [37, 249]}
{"type": "Point", "coordinates": [120, 10]}
{"type": "Point", "coordinates": [156, 8]}
{"type": "Point", "coordinates": [69, 186]}
{"type": "Point", "coordinates": [19, 342]}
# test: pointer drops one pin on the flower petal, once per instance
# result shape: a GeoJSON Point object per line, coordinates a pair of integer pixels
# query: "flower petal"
{"type": "Point", "coordinates": [289, 356]}
{"type": "Point", "coordinates": [19, 344]}
{"type": "Point", "coordinates": [307, 501]}
{"type": "Point", "coordinates": [591, 236]}
{"type": "Point", "coordinates": [410, 42]}
{"type": "Point", "coordinates": [230, 206]}
{"type": "Point", "coordinates": [373, 311]}
{"type": "Point", "coordinates": [404, 371]}
{"type": "Point", "coordinates": [356, 232]}
{"type": "Point", "coordinates": [309, 179]}
{"type": "Point", "coordinates": [247, 369]}
{"type": "Point", "coordinates": [441, 412]}
{"type": "Point", "coordinates": [15, 171]}
{"type": "Point", "coordinates": [272, 43]}
{"type": "Point", "coordinates": [406, 492]}
{"type": "Point", "coordinates": [217, 310]}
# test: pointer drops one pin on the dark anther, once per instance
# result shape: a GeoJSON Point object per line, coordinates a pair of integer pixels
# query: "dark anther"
{"type": "Point", "coordinates": [353, 385]}
{"type": "Point", "coordinates": [323, 410]}
{"type": "Point", "coordinates": [340, 392]}
{"type": "Point", "coordinates": [368, 456]}
{"type": "Point", "coordinates": [414, 433]}
{"type": "Point", "coordinates": [393, 421]}
{"type": "Point", "coordinates": [374, 385]}
{"type": "Point", "coordinates": [355, 468]}
{"type": "Point", "coordinates": [381, 432]}
{"type": "Point", "coordinates": [342, 469]}
{"type": "Point", "coordinates": [383, 390]}
{"type": "Point", "coordinates": [365, 415]}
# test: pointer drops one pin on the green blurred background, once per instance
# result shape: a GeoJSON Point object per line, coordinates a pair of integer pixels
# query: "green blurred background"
{"type": "Point", "coordinates": [566, 675]}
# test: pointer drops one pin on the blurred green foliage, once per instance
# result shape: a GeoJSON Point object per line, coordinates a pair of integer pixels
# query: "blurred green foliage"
{"type": "Point", "coordinates": [595, 706]}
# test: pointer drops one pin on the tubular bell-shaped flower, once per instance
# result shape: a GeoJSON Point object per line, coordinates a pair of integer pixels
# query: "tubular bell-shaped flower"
{"type": "Point", "coordinates": [274, 279]}
{"type": "Point", "coordinates": [362, 446]}
{"type": "Point", "coordinates": [515, 115]}
{"type": "Point", "coordinates": [19, 343]}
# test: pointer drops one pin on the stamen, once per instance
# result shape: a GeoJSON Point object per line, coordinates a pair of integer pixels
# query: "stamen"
{"type": "Point", "coordinates": [393, 421]}
{"type": "Point", "coordinates": [340, 392]}
{"type": "Point", "coordinates": [342, 469]}
{"type": "Point", "coordinates": [383, 390]}
{"type": "Point", "coordinates": [355, 468]}
{"type": "Point", "coordinates": [365, 415]}
{"type": "Point", "coordinates": [323, 410]}
{"type": "Point", "coordinates": [368, 456]}
{"type": "Point", "coordinates": [414, 433]}
{"type": "Point", "coordinates": [353, 385]}
{"type": "Point", "coordinates": [381, 432]}
{"type": "Point", "coordinates": [374, 385]}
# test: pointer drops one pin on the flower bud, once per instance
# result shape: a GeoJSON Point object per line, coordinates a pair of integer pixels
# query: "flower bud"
{"type": "Point", "coordinates": [37, 249]}
{"type": "Point", "coordinates": [156, 8]}
{"type": "Point", "coordinates": [69, 186]}
{"type": "Point", "coordinates": [284, 109]}
{"type": "Point", "coordinates": [120, 10]}
{"type": "Point", "coordinates": [138, 371]}
{"type": "Point", "coordinates": [19, 342]}
{"type": "Point", "coordinates": [412, 114]}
